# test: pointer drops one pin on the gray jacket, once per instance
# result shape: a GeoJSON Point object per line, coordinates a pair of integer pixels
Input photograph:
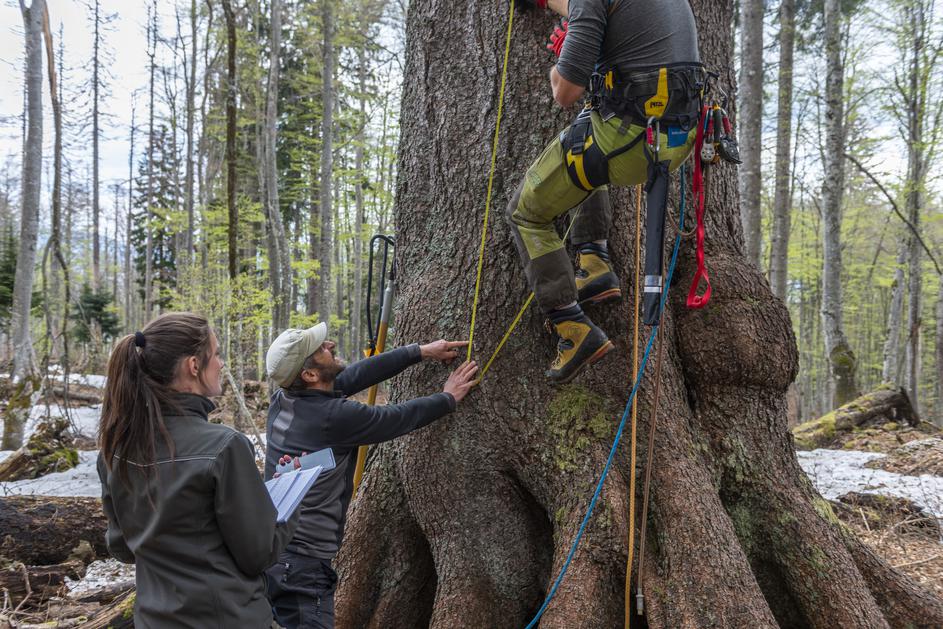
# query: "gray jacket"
{"type": "Point", "coordinates": [312, 420]}
{"type": "Point", "coordinates": [199, 526]}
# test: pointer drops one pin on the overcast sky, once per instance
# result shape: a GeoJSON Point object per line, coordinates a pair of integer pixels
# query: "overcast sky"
{"type": "Point", "coordinates": [126, 41]}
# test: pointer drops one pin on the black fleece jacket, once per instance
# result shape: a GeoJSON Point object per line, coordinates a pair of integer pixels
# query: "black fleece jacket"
{"type": "Point", "coordinates": [312, 420]}
{"type": "Point", "coordinates": [200, 526]}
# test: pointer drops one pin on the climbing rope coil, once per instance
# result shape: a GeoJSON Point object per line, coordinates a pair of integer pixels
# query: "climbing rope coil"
{"type": "Point", "coordinates": [694, 300]}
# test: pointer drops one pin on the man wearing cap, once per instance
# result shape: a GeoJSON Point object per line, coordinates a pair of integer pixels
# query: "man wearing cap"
{"type": "Point", "coordinates": [310, 412]}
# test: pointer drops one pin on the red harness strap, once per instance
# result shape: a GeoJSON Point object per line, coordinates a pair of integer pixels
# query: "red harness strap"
{"type": "Point", "coordinates": [695, 300]}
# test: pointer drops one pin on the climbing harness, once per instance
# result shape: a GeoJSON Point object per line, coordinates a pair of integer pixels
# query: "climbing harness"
{"type": "Point", "coordinates": [669, 95]}
{"type": "Point", "coordinates": [377, 341]}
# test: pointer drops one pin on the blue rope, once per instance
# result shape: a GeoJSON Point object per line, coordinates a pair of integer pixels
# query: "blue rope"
{"type": "Point", "coordinates": [625, 415]}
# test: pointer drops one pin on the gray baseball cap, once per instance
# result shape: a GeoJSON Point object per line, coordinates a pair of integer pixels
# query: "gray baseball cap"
{"type": "Point", "coordinates": [288, 352]}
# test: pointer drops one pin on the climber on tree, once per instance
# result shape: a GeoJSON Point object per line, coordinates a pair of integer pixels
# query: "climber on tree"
{"type": "Point", "coordinates": [639, 62]}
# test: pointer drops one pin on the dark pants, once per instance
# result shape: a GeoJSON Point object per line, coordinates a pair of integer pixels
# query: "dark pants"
{"type": "Point", "coordinates": [301, 591]}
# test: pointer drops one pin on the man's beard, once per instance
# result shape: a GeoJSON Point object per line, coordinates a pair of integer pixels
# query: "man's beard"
{"type": "Point", "coordinates": [330, 372]}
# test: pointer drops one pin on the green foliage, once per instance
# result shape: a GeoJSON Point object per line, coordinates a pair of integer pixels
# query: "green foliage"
{"type": "Point", "coordinates": [95, 308]}
{"type": "Point", "coordinates": [8, 278]}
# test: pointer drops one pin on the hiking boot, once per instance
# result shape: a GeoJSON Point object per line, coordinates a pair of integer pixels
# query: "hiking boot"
{"type": "Point", "coordinates": [581, 343]}
{"type": "Point", "coordinates": [596, 282]}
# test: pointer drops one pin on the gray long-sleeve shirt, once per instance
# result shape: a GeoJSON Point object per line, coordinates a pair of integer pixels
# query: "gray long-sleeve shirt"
{"type": "Point", "coordinates": [312, 420]}
{"type": "Point", "coordinates": [626, 34]}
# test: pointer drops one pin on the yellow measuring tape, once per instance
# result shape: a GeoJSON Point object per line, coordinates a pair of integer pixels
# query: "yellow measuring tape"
{"type": "Point", "coordinates": [494, 159]}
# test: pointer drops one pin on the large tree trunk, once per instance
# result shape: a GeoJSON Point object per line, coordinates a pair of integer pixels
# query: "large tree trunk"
{"type": "Point", "coordinates": [842, 361]}
{"type": "Point", "coordinates": [466, 523]}
{"type": "Point", "coordinates": [782, 202]}
{"type": "Point", "coordinates": [751, 124]}
{"type": "Point", "coordinates": [23, 379]}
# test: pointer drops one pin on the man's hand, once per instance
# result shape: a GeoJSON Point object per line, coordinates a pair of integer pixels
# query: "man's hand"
{"type": "Point", "coordinates": [557, 38]}
{"type": "Point", "coordinates": [462, 380]}
{"type": "Point", "coordinates": [285, 459]}
{"type": "Point", "coordinates": [443, 350]}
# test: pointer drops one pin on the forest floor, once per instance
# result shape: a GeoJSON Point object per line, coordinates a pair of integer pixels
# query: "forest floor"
{"type": "Point", "coordinates": [887, 486]}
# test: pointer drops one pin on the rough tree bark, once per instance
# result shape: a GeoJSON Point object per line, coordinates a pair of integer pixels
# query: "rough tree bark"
{"type": "Point", "coordinates": [782, 201]}
{"type": "Point", "coordinates": [465, 523]}
{"type": "Point", "coordinates": [842, 361]}
{"type": "Point", "coordinates": [751, 124]}
{"type": "Point", "coordinates": [24, 381]}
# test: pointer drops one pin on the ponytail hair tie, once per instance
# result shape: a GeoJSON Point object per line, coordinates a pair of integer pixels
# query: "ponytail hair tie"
{"type": "Point", "coordinates": [139, 339]}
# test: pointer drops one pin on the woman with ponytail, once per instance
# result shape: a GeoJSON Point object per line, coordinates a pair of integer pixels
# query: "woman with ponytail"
{"type": "Point", "coordinates": [184, 499]}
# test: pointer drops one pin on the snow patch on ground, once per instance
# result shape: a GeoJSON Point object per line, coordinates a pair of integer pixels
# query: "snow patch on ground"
{"type": "Point", "coordinates": [837, 472]}
{"type": "Point", "coordinates": [84, 418]}
{"type": "Point", "coordinates": [98, 575]}
{"type": "Point", "coordinates": [81, 480]}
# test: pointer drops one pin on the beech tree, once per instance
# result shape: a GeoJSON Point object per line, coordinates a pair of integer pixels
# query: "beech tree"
{"type": "Point", "coordinates": [467, 522]}
{"type": "Point", "coordinates": [23, 377]}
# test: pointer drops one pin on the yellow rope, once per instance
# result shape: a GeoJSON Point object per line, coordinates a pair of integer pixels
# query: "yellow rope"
{"type": "Point", "coordinates": [494, 158]}
{"type": "Point", "coordinates": [638, 270]}
{"type": "Point", "coordinates": [520, 313]}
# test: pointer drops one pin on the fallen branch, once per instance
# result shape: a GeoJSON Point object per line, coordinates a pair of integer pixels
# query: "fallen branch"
{"type": "Point", "coordinates": [919, 561]}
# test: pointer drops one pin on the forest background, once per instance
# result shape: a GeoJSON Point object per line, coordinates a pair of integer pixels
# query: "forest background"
{"type": "Point", "coordinates": [234, 158]}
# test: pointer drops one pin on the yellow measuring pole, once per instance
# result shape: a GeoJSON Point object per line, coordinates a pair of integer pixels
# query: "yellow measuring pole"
{"type": "Point", "coordinates": [371, 400]}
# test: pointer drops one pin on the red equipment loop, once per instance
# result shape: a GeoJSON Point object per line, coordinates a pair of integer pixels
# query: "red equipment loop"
{"type": "Point", "coordinates": [695, 300]}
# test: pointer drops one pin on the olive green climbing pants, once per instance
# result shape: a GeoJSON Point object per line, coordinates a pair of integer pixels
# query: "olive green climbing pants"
{"type": "Point", "coordinates": [547, 192]}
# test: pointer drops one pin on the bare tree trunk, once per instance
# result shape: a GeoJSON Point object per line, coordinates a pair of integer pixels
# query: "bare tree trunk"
{"type": "Point", "coordinates": [279, 257]}
{"type": "Point", "coordinates": [890, 372]}
{"type": "Point", "coordinates": [782, 203]}
{"type": "Point", "coordinates": [191, 98]}
{"type": "Point", "coordinates": [233, 229]}
{"type": "Point", "coordinates": [327, 135]}
{"type": "Point", "coordinates": [149, 238]}
{"type": "Point", "coordinates": [751, 124]}
{"type": "Point", "coordinates": [96, 207]}
{"type": "Point", "coordinates": [360, 179]}
{"type": "Point", "coordinates": [24, 380]}
{"type": "Point", "coordinates": [916, 108]}
{"type": "Point", "coordinates": [842, 361]}
{"type": "Point", "coordinates": [444, 534]}
{"type": "Point", "coordinates": [938, 354]}
{"type": "Point", "coordinates": [129, 324]}
{"type": "Point", "coordinates": [59, 323]}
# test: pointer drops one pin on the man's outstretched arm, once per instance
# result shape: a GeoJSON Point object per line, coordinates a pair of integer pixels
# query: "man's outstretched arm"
{"type": "Point", "coordinates": [374, 370]}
